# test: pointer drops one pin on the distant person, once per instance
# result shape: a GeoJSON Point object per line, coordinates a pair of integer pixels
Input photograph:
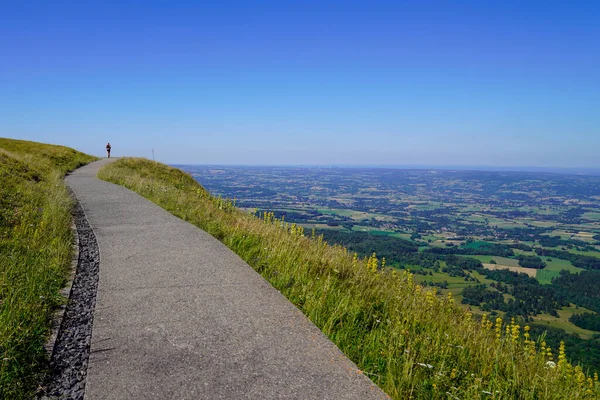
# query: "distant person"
{"type": "Point", "coordinates": [108, 147]}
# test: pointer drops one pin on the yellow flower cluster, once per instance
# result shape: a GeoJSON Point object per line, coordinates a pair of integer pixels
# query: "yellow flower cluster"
{"type": "Point", "coordinates": [486, 323]}
{"type": "Point", "coordinates": [449, 301]}
{"type": "Point", "coordinates": [514, 330]}
{"type": "Point", "coordinates": [529, 344]}
{"type": "Point", "coordinates": [430, 297]}
{"type": "Point", "coordinates": [296, 230]}
{"type": "Point", "coordinates": [268, 217]}
{"type": "Point", "coordinates": [546, 350]}
{"type": "Point", "coordinates": [373, 263]}
{"type": "Point", "coordinates": [562, 356]}
{"type": "Point", "coordinates": [225, 204]}
{"type": "Point", "coordinates": [498, 328]}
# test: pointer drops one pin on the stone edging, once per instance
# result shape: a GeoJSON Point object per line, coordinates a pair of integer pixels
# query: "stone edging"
{"type": "Point", "coordinates": [71, 343]}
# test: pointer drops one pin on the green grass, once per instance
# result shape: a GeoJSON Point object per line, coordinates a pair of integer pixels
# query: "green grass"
{"type": "Point", "coordinates": [454, 282]}
{"type": "Point", "coordinates": [323, 226]}
{"type": "Point", "coordinates": [511, 262]}
{"type": "Point", "coordinates": [377, 231]}
{"type": "Point", "coordinates": [558, 265]}
{"type": "Point", "coordinates": [545, 276]}
{"type": "Point", "coordinates": [389, 326]}
{"type": "Point", "coordinates": [562, 322]}
{"type": "Point", "coordinates": [592, 216]}
{"type": "Point", "coordinates": [355, 215]}
{"type": "Point", "coordinates": [384, 233]}
{"type": "Point", "coordinates": [35, 255]}
{"type": "Point", "coordinates": [586, 253]}
{"type": "Point", "coordinates": [519, 252]}
{"type": "Point", "coordinates": [553, 268]}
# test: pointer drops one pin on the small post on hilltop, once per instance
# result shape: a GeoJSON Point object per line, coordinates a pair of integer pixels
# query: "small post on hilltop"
{"type": "Point", "coordinates": [152, 154]}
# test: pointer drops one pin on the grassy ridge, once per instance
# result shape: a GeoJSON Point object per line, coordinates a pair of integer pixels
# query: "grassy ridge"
{"type": "Point", "coordinates": [409, 340]}
{"type": "Point", "coordinates": [35, 253]}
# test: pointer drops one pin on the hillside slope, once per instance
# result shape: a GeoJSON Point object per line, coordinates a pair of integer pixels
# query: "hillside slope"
{"type": "Point", "coordinates": [35, 254]}
{"type": "Point", "coordinates": [409, 340]}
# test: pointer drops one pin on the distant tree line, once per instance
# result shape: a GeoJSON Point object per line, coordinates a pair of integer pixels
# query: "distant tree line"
{"type": "Point", "coordinates": [581, 289]}
{"type": "Point", "coordinates": [586, 321]}
{"type": "Point", "coordinates": [395, 250]}
{"type": "Point", "coordinates": [530, 298]}
{"type": "Point", "coordinates": [520, 246]}
{"type": "Point", "coordinates": [531, 262]}
{"type": "Point", "coordinates": [491, 249]}
{"type": "Point", "coordinates": [479, 294]}
{"type": "Point", "coordinates": [556, 241]}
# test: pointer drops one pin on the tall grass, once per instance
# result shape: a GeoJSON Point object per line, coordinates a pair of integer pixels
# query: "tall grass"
{"type": "Point", "coordinates": [35, 254]}
{"type": "Point", "coordinates": [409, 340]}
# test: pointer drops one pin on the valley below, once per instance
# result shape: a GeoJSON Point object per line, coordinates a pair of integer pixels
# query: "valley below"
{"type": "Point", "coordinates": [523, 245]}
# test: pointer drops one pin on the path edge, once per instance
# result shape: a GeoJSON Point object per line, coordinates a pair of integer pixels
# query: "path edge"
{"type": "Point", "coordinates": [49, 386]}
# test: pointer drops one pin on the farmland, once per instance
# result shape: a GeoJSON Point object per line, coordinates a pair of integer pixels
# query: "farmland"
{"type": "Point", "coordinates": [539, 226]}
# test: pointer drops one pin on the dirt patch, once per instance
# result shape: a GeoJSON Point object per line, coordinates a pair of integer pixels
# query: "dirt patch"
{"type": "Point", "coordinates": [529, 271]}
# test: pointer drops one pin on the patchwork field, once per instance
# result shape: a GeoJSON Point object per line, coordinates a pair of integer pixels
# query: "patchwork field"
{"type": "Point", "coordinates": [529, 271]}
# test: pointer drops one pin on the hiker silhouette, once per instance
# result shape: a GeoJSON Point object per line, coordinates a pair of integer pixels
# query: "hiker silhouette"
{"type": "Point", "coordinates": [108, 147]}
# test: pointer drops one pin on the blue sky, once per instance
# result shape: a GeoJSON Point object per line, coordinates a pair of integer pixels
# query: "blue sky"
{"type": "Point", "coordinates": [497, 83]}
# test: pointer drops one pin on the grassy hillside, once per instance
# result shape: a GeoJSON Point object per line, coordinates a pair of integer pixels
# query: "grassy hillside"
{"type": "Point", "coordinates": [35, 253]}
{"type": "Point", "coordinates": [410, 341]}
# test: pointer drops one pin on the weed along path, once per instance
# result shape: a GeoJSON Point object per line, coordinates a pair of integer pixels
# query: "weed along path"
{"type": "Point", "coordinates": [180, 316]}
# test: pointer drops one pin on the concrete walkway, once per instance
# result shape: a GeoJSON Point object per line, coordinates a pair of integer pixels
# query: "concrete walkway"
{"type": "Point", "coordinates": [180, 316]}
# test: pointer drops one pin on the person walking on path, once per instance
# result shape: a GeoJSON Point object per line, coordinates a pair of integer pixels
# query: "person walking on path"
{"type": "Point", "coordinates": [108, 147]}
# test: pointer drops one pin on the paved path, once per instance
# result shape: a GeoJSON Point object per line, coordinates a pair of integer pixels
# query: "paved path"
{"type": "Point", "coordinates": [180, 316]}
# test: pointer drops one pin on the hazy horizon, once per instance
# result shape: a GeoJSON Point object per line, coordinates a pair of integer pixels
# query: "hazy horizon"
{"type": "Point", "coordinates": [479, 83]}
{"type": "Point", "coordinates": [554, 170]}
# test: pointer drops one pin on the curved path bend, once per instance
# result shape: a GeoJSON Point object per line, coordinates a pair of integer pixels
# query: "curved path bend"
{"type": "Point", "coordinates": [180, 316]}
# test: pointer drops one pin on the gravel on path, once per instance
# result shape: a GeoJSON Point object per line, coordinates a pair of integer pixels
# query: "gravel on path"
{"type": "Point", "coordinates": [71, 351]}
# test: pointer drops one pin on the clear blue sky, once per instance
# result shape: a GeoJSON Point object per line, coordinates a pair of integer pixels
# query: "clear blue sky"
{"type": "Point", "coordinates": [301, 82]}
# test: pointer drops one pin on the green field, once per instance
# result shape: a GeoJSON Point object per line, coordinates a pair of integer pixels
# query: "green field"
{"type": "Point", "coordinates": [455, 283]}
{"type": "Point", "coordinates": [545, 276]}
{"type": "Point", "coordinates": [557, 265]}
{"type": "Point", "coordinates": [523, 252]}
{"type": "Point", "coordinates": [511, 262]}
{"type": "Point", "coordinates": [375, 231]}
{"type": "Point", "coordinates": [562, 322]}
{"type": "Point", "coordinates": [586, 253]}
{"type": "Point", "coordinates": [355, 215]}
{"type": "Point", "coordinates": [320, 226]}
{"type": "Point", "coordinates": [593, 216]}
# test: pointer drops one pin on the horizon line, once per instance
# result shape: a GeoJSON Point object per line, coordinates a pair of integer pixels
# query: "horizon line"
{"type": "Point", "coordinates": [492, 168]}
